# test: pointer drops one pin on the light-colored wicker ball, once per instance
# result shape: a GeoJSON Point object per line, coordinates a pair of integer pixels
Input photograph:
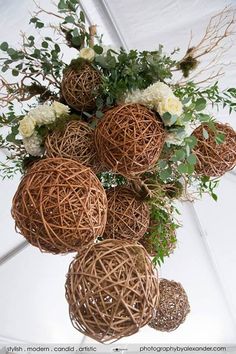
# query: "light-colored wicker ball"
{"type": "Point", "coordinates": [76, 141]}
{"type": "Point", "coordinates": [60, 206]}
{"type": "Point", "coordinates": [214, 159]}
{"type": "Point", "coordinates": [112, 290]}
{"type": "Point", "coordinates": [173, 306]}
{"type": "Point", "coordinates": [129, 139]}
{"type": "Point", "coordinates": [127, 215]}
{"type": "Point", "coordinates": [80, 87]}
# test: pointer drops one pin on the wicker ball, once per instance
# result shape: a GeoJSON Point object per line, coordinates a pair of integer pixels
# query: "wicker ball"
{"type": "Point", "coordinates": [76, 141]}
{"type": "Point", "coordinates": [127, 216]}
{"type": "Point", "coordinates": [112, 290]}
{"type": "Point", "coordinates": [173, 306]}
{"type": "Point", "coordinates": [60, 205]}
{"type": "Point", "coordinates": [215, 159]}
{"type": "Point", "coordinates": [129, 139]}
{"type": "Point", "coordinates": [80, 87]}
{"type": "Point", "coordinates": [156, 242]}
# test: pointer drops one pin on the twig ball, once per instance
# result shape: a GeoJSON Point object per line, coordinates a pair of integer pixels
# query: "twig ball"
{"type": "Point", "coordinates": [173, 306]}
{"type": "Point", "coordinates": [112, 290]}
{"type": "Point", "coordinates": [127, 215]}
{"type": "Point", "coordinates": [76, 141]}
{"type": "Point", "coordinates": [60, 206]}
{"type": "Point", "coordinates": [214, 159]}
{"type": "Point", "coordinates": [80, 87]}
{"type": "Point", "coordinates": [129, 139]}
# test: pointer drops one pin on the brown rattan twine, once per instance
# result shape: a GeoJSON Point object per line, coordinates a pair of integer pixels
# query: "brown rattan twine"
{"type": "Point", "coordinates": [127, 216]}
{"type": "Point", "coordinates": [129, 139]}
{"type": "Point", "coordinates": [80, 87]}
{"type": "Point", "coordinates": [215, 159]}
{"type": "Point", "coordinates": [112, 290]}
{"type": "Point", "coordinates": [76, 141]}
{"type": "Point", "coordinates": [173, 306]}
{"type": "Point", "coordinates": [60, 205]}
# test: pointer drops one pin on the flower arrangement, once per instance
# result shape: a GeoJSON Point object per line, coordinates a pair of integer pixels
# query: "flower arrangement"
{"type": "Point", "coordinates": [145, 109]}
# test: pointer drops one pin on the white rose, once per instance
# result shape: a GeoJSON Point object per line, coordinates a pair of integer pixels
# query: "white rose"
{"type": "Point", "coordinates": [26, 126]}
{"type": "Point", "coordinates": [60, 109]}
{"type": "Point", "coordinates": [170, 104]}
{"type": "Point", "coordinates": [43, 114]}
{"type": "Point", "coordinates": [87, 53]}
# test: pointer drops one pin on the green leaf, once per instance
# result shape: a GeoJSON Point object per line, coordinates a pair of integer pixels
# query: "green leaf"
{"type": "Point", "coordinates": [204, 117]}
{"type": "Point", "coordinates": [214, 196]}
{"type": "Point", "coordinates": [45, 44]}
{"type": "Point", "coordinates": [98, 49]}
{"type": "Point", "coordinates": [191, 141]}
{"type": "Point", "coordinates": [99, 114]}
{"type": "Point", "coordinates": [192, 159]}
{"type": "Point", "coordinates": [57, 48]}
{"type": "Point", "coordinates": [169, 119]}
{"type": "Point", "coordinates": [69, 19]}
{"type": "Point", "coordinates": [15, 72]}
{"type": "Point", "coordinates": [179, 155]}
{"type": "Point", "coordinates": [34, 20]}
{"type": "Point", "coordinates": [162, 164]}
{"type": "Point", "coordinates": [4, 46]}
{"type": "Point", "coordinates": [39, 25]}
{"type": "Point", "coordinates": [220, 138]}
{"type": "Point", "coordinates": [200, 104]}
{"type": "Point", "coordinates": [183, 168]}
{"type": "Point", "coordinates": [205, 133]}
{"type": "Point", "coordinates": [5, 68]}
{"type": "Point", "coordinates": [82, 17]}
{"type": "Point", "coordinates": [165, 174]}
{"type": "Point", "coordinates": [62, 5]}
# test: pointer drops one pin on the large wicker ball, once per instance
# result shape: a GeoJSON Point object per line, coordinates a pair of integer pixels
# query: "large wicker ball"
{"type": "Point", "coordinates": [112, 290]}
{"type": "Point", "coordinates": [127, 216]}
{"type": "Point", "coordinates": [80, 87]}
{"type": "Point", "coordinates": [159, 243]}
{"type": "Point", "coordinates": [60, 205]}
{"type": "Point", "coordinates": [173, 306]}
{"type": "Point", "coordinates": [76, 141]}
{"type": "Point", "coordinates": [215, 159]}
{"type": "Point", "coordinates": [129, 139]}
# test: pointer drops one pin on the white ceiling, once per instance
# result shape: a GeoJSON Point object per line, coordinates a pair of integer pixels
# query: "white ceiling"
{"type": "Point", "coordinates": [32, 304]}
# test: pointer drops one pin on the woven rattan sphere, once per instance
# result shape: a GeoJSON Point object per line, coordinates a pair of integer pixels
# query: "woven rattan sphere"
{"type": "Point", "coordinates": [112, 290]}
{"type": "Point", "coordinates": [127, 216]}
{"type": "Point", "coordinates": [129, 139]}
{"type": "Point", "coordinates": [173, 306]}
{"type": "Point", "coordinates": [60, 205]}
{"type": "Point", "coordinates": [76, 141]}
{"type": "Point", "coordinates": [80, 86]}
{"type": "Point", "coordinates": [215, 159]}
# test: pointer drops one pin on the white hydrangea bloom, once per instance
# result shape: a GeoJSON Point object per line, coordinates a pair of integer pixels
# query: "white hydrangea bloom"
{"type": "Point", "coordinates": [157, 96]}
{"type": "Point", "coordinates": [33, 145]}
{"type": "Point", "coordinates": [60, 109]}
{"type": "Point", "coordinates": [43, 114]}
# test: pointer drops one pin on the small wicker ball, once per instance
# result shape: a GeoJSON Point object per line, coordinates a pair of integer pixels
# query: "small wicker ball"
{"type": "Point", "coordinates": [112, 290]}
{"type": "Point", "coordinates": [127, 216]}
{"type": "Point", "coordinates": [76, 141]}
{"type": "Point", "coordinates": [129, 139]}
{"type": "Point", "coordinates": [80, 87]}
{"type": "Point", "coordinates": [173, 307]}
{"type": "Point", "coordinates": [214, 159]}
{"type": "Point", "coordinates": [60, 205]}
{"type": "Point", "coordinates": [152, 241]}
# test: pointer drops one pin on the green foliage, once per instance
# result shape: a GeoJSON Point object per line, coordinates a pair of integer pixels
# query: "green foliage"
{"type": "Point", "coordinates": [127, 71]}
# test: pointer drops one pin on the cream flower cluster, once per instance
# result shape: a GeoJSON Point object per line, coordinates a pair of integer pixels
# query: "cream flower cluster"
{"type": "Point", "coordinates": [159, 97]}
{"type": "Point", "coordinates": [87, 53]}
{"type": "Point", "coordinates": [33, 145]}
{"type": "Point", "coordinates": [41, 115]}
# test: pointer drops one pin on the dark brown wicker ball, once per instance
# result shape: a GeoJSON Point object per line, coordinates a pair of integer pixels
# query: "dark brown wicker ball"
{"type": "Point", "coordinates": [76, 141]}
{"type": "Point", "coordinates": [80, 87]}
{"type": "Point", "coordinates": [215, 159]}
{"type": "Point", "coordinates": [129, 139]}
{"type": "Point", "coordinates": [60, 205]}
{"type": "Point", "coordinates": [127, 216]}
{"type": "Point", "coordinates": [112, 290]}
{"type": "Point", "coordinates": [156, 242]}
{"type": "Point", "coordinates": [173, 306]}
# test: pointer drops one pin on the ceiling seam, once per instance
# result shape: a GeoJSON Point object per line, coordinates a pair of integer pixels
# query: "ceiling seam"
{"type": "Point", "coordinates": [13, 252]}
